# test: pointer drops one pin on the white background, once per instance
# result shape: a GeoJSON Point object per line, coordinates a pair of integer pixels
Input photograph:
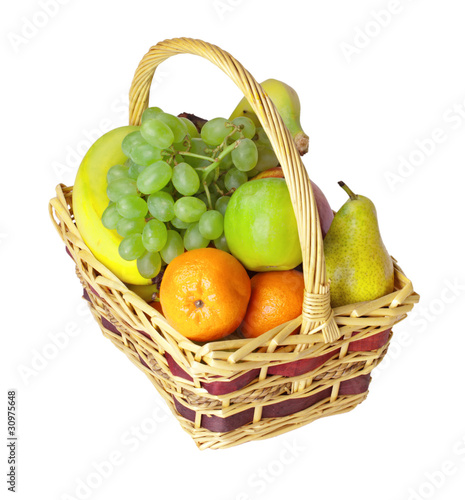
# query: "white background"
{"type": "Point", "coordinates": [367, 101]}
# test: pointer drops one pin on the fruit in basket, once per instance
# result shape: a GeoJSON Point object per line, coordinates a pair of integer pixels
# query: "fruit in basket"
{"type": "Point", "coordinates": [204, 294]}
{"type": "Point", "coordinates": [90, 201]}
{"type": "Point", "coordinates": [276, 298]}
{"type": "Point", "coordinates": [260, 226]}
{"type": "Point", "coordinates": [357, 262]}
{"type": "Point", "coordinates": [162, 200]}
{"type": "Point", "coordinates": [287, 102]}
{"type": "Point", "coordinates": [325, 212]}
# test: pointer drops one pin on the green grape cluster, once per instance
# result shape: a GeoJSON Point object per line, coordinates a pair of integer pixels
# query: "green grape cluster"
{"type": "Point", "coordinates": [172, 193]}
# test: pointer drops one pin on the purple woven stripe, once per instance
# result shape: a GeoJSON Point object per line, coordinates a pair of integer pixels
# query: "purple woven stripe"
{"type": "Point", "coordinates": [357, 385]}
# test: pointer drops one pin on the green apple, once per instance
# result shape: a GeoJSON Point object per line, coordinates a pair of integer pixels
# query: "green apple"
{"type": "Point", "coordinates": [260, 226]}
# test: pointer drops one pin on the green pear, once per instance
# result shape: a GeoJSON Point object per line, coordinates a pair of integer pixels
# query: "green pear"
{"type": "Point", "coordinates": [357, 262]}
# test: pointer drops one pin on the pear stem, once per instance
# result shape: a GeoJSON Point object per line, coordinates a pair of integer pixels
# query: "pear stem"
{"type": "Point", "coordinates": [348, 190]}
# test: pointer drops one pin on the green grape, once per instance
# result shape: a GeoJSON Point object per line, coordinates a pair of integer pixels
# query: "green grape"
{"type": "Point", "coordinates": [247, 128]}
{"type": "Point", "coordinates": [131, 206]}
{"type": "Point", "coordinates": [131, 141]}
{"type": "Point", "coordinates": [134, 169]}
{"type": "Point", "coordinates": [189, 209]}
{"type": "Point", "coordinates": [145, 154]}
{"type": "Point", "coordinates": [150, 114]}
{"type": "Point", "coordinates": [261, 139]}
{"type": "Point", "coordinates": [117, 172]}
{"type": "Point", "coordinates": [252, 173]}
{"type": "Point", "coordinates": [245, 156]}
{"type": "Point", "coordinates": [219, 184]}
{"type": "Point", "coordinates": [121, 187]}
{"type": "Point", "coordinates": [154, 235]}
{"type": "Point", "coordinates": [191, 128]}
{"type": "Point", "coordinates": [226, 163]}
{"type": "Point", "coordinates": [154, 177]}
{"type": "Point", "coordinates": [234, 178]}
{"type": "Point", "coordinates": [174, 246]}
{"type": "Point", "coordinates": [221, 204]}
{"type": "Point", "coordinates": [215, 131]}
{"type": "Point", "coordinates": [177, 126]}
{"type": "Point", "coordinates": [185, 179]}
{"type": "Point", "coordinates": [211, 224]}
{"type": "Point", "coordinates": [157, 133]}
{"type": "Point", "coordinates": [161, 206]}
{"type": "Point", "coordinates": [266, 159]}
{"type": "Point", "coordinates": [213, 197]}
{"type": "Point", "coordinates": [193, 239]}
{"type": "Point", "coordinates": [110, 216]}
{"type": "Point", "coordinates": [221, 243]}
{"type": "Point", "coordinates": [131, 247]}
{"type": "Point", "coordinates": [179, 224]}
{"type": "Point", "coordinates": [266, 156]}
{"type": "Point", "coordinates": [149, 264]}
{"type": "Point", "coordinates": [125, 227]}
{"type": "Point", "coordinates": [198, 147]}
{"type": "Point", "coordinates": [202, 196]}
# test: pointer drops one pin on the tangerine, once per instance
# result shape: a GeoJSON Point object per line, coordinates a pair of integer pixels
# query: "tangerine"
{"type": "Point", "coordinates": [276, 297]}
{"type": "Point", "coordinates": [204, 294]}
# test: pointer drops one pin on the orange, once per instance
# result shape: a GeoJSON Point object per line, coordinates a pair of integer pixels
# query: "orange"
{"type": "Point", "coordinates": [204, 294]}
{"type": "Point", "coordinates": [276, 297]}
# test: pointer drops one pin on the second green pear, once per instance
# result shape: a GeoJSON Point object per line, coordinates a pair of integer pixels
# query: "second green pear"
{"type": "Point", "coordinates": [357, 262]}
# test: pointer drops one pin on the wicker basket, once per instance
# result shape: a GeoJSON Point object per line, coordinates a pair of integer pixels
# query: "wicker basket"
{"type": "Point", "coordinates": [235, 390]}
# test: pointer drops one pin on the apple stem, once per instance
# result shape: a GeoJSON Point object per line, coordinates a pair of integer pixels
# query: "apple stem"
{"type": "Point", "coordinates": [348, 190]}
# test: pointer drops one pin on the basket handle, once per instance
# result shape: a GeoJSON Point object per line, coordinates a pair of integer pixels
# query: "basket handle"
{"type": "Point", "coordinates": [317, 314]}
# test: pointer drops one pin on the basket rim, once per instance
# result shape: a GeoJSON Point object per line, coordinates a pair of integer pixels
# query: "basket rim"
{"type": "Point", "coordinates": [213, 357]}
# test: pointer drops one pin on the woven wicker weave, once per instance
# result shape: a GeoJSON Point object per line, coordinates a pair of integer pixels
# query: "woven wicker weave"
{"type": "Point", "coordinates": [234, 390]}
